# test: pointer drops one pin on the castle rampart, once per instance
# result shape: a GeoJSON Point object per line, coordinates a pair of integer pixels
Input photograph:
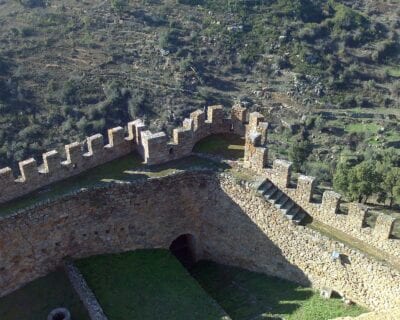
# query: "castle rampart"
{"type": "Point", "coordinates": [302, 191]}
{"type": "Point", "coordinates": [229, 221]}
{"type": "Point", "coordinates": [154, 148]}
{"type": "Point", "coordinates": [328, 213]}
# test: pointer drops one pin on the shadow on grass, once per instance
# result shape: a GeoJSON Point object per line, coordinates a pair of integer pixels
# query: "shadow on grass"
{"type": "Point", "coordinates": [228, 146]}
{"type": "Point", "coordinates": [249, 295]}
{"type": "Point", "coordinates": [147, 284]}
{"type": "Point", "coordinates": [38, 298]}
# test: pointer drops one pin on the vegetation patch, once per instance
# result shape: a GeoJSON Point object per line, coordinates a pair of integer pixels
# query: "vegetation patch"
{"type": "Point", "coordinates": [147, 285]}
{"type": "Point", "coordinates": [248, 295]}
{"type": "Point", "coordinates": [37, 299]}
{"type": "Point", "coordinates": [228, 146]}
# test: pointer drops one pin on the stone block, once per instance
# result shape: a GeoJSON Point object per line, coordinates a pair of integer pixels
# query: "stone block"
{"type": "Point", "coordinates": [95, 144]}
{"type": "Point", "coordinates": [6, 176]}
{"type": "Point", "coordinates": [330, 202]}
{"type": "Point", "coordinates": [305, 188]}
{"type": "Point", "coordinates": [74, 154]}
{"type": "Point", "coordinates": [383, 227]}
{"type": "Point", "coordinates": [282, 172]}
{"type": "Point", "coordinates": [199, 118]}
{"type": "Point", "coordinates": [116, 136]}
{"type": "Point", "coordinates": [135, 128]}
{"type": "Point", "coordinates": [254, 119]}
{"type": "Point", "coordinates": [29, 170]}
{"type": "Point", "coordinates": [215, 114]}
{"type": "Point", "coordinates": [239, 114]}
{"type": "Point", "coordinates": [51, 161]}
{"type": "Point", "coordinates": [356, 215]}
{"type": "Point", "coordinates": [182, 136]}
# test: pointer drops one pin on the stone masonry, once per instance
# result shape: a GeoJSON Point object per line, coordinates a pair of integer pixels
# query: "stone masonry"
{"type": "Point", "coordinates": [230, 222]}
{"type": "Point", "coordinates": [155, 148]}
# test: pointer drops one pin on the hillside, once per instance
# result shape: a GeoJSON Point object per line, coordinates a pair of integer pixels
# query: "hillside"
{"type": "Point", "coordinates": [328, 70]}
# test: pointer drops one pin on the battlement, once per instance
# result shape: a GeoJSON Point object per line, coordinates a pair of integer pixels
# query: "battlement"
{"type": "Point", "coordinates": [328, 210]}
{"type": "Point", "coordinates": [256, 151]}
{"type": "Point", "coordinates": [154, 148]}
{"type": "Point", "coordinates": [301, 192]}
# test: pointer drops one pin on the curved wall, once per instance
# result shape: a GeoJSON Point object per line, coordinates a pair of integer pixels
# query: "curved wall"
{"type": "Point", "coordinates": [230, 222]}
{"type": "Point", "coordinates": [144, 214]}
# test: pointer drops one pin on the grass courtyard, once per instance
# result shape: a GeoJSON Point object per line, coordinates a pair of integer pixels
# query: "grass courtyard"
{"type": "Point", "coordinates": [152, 284]}
{"type": "Point", "coordinates": [38, 298]}
{"type": "Point", "coordinates": [246, 295]}
{"type": "Point", "coordinates": [229, 146]}
{"type": "Point", "coordinates": [147, 285]}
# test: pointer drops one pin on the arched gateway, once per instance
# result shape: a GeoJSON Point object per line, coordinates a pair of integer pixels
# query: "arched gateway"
{"type": "Point", "coordinates": [183, 248]}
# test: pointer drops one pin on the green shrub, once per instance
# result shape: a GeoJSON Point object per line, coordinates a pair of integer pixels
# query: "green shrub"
{"type": "Point", "coordinates": [69, 92]}
{"type": "Point", "coordinates": [119, 5]}
{"type": "Point", "coordinates": [33, 3]}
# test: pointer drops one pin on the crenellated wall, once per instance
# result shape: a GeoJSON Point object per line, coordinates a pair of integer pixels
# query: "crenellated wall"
{"type": "Point", "coordinates": [154, 148]}
{"type": "Point", "coordinates": [302, 192]}
{"type": "Point", "coordinates": [327, 212]}
{"type": "Point", "coordinates": [230, 222]}
{"type": "Point", "coordinates": [256, 152]}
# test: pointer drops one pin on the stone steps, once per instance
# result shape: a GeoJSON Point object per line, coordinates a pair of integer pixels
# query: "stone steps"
{"type": "Point", "coordinates": [281, 201]}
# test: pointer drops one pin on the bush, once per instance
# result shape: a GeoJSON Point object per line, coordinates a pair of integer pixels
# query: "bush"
{"type": "Point", "coordinates": [27, 31]}
{"type": "Point", "coordinates": [385, 50]}
{"type": "Point", "coordinates": [321, 171]}
{"type": "Point", "coordinates": [169, 39]}
{"type": "Point", "coordinates": [119, 5]}
{"type": "Point", "coordinates": [33, 3]}
{"type": "Point", "coordinates": [69, 92]}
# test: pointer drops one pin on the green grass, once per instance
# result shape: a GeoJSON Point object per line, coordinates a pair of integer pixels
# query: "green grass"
{"type": "Point", "coordinates": [38, 298]}
{"type": "Point", "coordinates": [228, 146]}
{"type": "Point", "coordinates": [393, 71]}
{"type": "Point", "coordinates": [128, 168]}
{"type": "Point", "coordinates": [246, 295]}
{"type": "Point", "coordinates": [360, 127]}
{"type": "Point", "coordinates": [147, 284]}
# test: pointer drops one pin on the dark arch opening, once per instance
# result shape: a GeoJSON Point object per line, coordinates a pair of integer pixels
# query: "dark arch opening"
{"type": "Point", "coordinates": [183, 248]}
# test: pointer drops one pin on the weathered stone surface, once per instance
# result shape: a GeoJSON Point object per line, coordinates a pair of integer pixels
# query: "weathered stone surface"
{"type": "Point", "coordinates": [85, 294]}
{"type": "Point", "coordinates": [381, 315]}
{"type": "Point", "coordinates": [154, 148]}
{"type": "Point", "coordinates": [230, 222]}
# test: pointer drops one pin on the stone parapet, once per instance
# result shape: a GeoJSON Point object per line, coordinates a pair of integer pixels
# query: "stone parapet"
{"type": "Point", "coordinates": [256, 151]}
{"type": "Point", "coordinates": [154, 148]}
{"type": "Point", "coordinates": [327, 211]}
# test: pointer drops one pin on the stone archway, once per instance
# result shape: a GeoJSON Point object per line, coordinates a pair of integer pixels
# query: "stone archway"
{"type": "Point", "coordinates": [184, 249]}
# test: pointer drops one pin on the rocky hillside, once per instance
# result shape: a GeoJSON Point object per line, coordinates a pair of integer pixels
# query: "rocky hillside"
{"type": "Point", "coordinates": [73, 68]}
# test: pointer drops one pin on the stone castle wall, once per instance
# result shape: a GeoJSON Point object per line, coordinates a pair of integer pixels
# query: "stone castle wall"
{"type": "Point", "coordinates": [230, 223]}
{"type": "Point", "coordinates": [117, 218]}
{"type": "Point", "coordinates": [258, 237]}
{"type": "Point", "coordinates": [328, 212]}
{"type": "Point", "coordinates": [155, 148]}
{"type": "Point", "coordinates": [301, 192]}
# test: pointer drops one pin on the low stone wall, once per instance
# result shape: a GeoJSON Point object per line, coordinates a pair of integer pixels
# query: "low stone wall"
{"type": "Point", "coordinates": [85, 294]}
{"type": "Point", "coordinates": [230, 222]}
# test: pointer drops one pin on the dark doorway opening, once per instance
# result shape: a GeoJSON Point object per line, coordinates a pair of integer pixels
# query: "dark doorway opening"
{"type": "Point", "coordinates": [183, 248]}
